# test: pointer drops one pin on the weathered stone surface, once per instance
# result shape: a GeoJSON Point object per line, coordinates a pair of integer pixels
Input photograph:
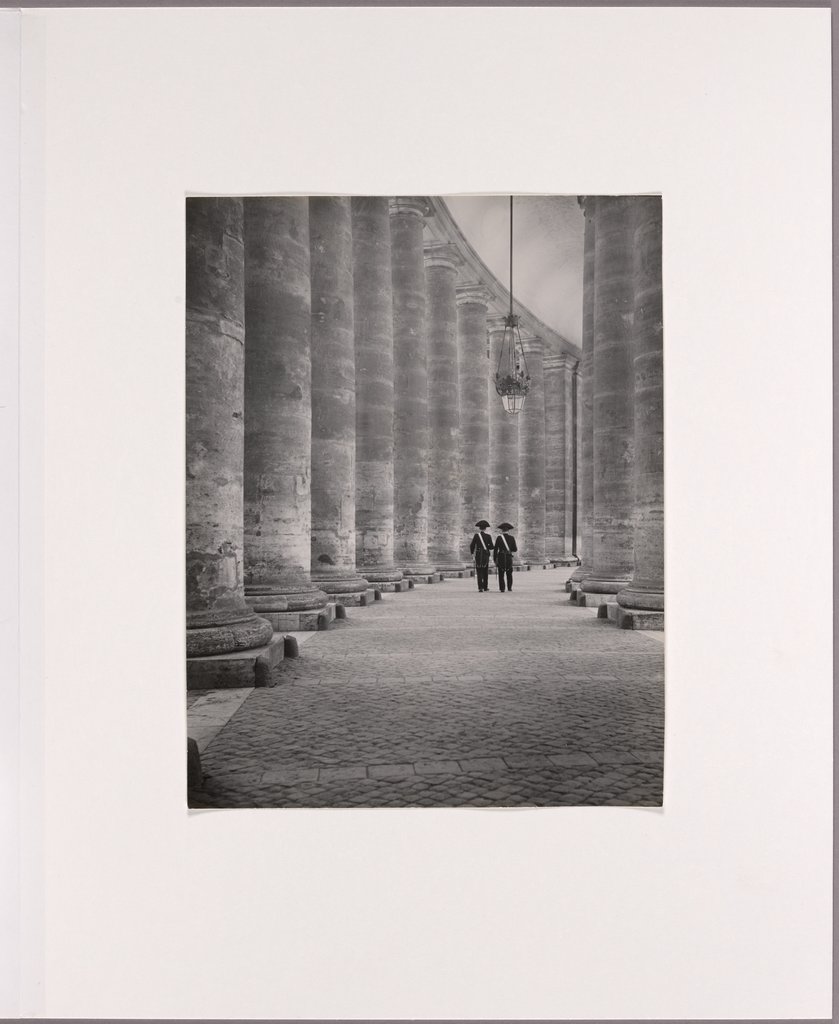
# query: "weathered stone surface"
{"type": "Point", "coordinates": [474, 372]}
{"type": "Point", "coordinates": [636, 618]}
{"type": "Point", "coordinates": [410, 351]}
{"type": "Point", "coordinates": [646, 591]}
{"type": "Point", "coordinates": [374, 370]}
{"type": "Point", "coordinates": [333, 545]}
{"type": "Point", "coordinates": [613, 415]}
{"type": "Point", "coordinates": [503, 443]}
{"type": "Point", "coordinates": [586, 402]}
{"type": "Point", "coordinates": [218, 619]}
{"type": "Point", "coordinates": [559, 458]}
{"type": "Point", "coordinates": [531, 526]}
{"type": "Point", "coordinates": [446, 527]}
{"type": "Point", "coordinates": [259, 666]}
{"type": "Point", "coordinates": [278, 406]}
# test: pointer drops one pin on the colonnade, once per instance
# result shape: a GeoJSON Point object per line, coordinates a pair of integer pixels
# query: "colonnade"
{"type": "Point", "coordinates": [621, 451]}
{"type": "Point", "coordinates": [343, 431]}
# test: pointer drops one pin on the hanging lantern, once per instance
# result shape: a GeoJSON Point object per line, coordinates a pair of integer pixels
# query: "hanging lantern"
{"type": "Point", "coordinates": [512, 381]}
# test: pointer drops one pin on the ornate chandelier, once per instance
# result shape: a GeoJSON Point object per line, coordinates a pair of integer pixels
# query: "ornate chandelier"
{"type": "Point", "coordinates": [512, 381]}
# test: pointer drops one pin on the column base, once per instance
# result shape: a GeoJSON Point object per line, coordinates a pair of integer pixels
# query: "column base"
{"type": "Point", "coordinates": [585, 599]}
{"type": "Point", "coordinates": [310, 619]}
{"type": "Point", "coordinates": [268, 599]}
{"type": "Point", "coordinates": [333, 584]}
{"type": "Point", "coordinates": [579, 574]}
{"type": "Point", "coordinates": [639, 599]}
{"type": "Point", "coordinates": [399, 587]}
{"type": "Point", "coordinates": [258, 666]}
{"type": "Point", "coordinates": [380, 574]}
{"type": "Point", "coordinates": [635, 618]}
{"type": "Point", "coordinates": [210, 633]}
{"type": "Point", "coordinates": [453, 571]}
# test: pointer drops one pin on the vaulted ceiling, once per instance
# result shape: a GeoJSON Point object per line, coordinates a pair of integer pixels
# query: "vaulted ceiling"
{"type": "Point", "coordinates": [547, 251]}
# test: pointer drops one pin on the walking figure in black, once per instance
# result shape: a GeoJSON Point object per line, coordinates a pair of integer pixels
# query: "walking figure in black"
{"type": "Point", "coordinates": [505, 545]}
{"type": "Point", "coordinates": [480, 547]}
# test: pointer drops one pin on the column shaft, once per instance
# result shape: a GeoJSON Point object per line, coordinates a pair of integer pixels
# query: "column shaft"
{"type": "Point", "coordinates": [646, 592]}
{"type": "Point", "coordinates": [218, 620]}
{"type": "Point", "coordinates": [613, 412]}
{"type": "Point", "coordinates": [333, 400]}
{"type": "Point", "coordinates": [278, 407]}
{"type": "Point", "coordinates": [410, 353]}
{"type": "Point", "coordinates": [474, 408]}
{"type": "Point", "coordinates": [446, 527]}
{"type": "Point", "coordinates": [531, 529]}
{"type": "Point", "coordinates": [586, 404]}
{"type": "Point", "coordinates": [503, 444]}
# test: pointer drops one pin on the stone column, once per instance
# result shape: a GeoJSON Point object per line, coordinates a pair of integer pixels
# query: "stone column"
{"type": "Point", "coordinates": [472, 302]}
{"type": "Point", "coordinates": [410, 354]}
{"type": "Point", "coordinates": [568, 366]}
{"type": "Point", "coordinates": [217, 618]}
{"type": "Point", "coordinates": [278, 414]}
{"type": "Point", "coordinates": [585, 475]}
{"type": "Point", "coordinates": [612, 558]}
{"type": "Point", "coordinates": [531, 532]}
{"type": "Point", "coordinates": [578, 461]}
{"type": "Point", "coordinates": [554, 492]}
{"type": "Point", "coordinates": [333, 401]}
{"type": "Point", "coordinates": [642, 602]}
{"type": "Point", "coordinates": [445, 514]}
{"type": "Point", "coordinates": [374, 391]}
{"type": "Point", "coordinates": [503, 443]}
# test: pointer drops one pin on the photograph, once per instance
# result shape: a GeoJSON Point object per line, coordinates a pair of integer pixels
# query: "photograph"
{"type": "Point", "coordinates": [424, 501]}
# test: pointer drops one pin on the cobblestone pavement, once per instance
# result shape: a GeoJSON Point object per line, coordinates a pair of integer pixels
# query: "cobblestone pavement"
{"type": "Point", "coordinates": [446, 697]}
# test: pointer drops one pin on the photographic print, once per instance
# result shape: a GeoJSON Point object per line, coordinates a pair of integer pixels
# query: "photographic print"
{"type": "Point", "coordinates": [424, 501]}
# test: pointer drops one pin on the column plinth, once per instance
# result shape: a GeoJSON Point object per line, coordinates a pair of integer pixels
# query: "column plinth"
{"type": "Point", "coordinates": [612, 555]}
{"type": "Point", "coordinates": [645, 594]}
{"type": "Point", "coordinates": [446, 527]}
{"type": "Point", "coordinates": [278, 410]}
{"type": "Point", "coordinates": [410, 355]}
{"type": "Point", "coordinates": [474, 409]}
{"type": "Point", "coordinates": [586, 405]}
{"type": "Point", "coordinates": [218, 619]}
{"type": "Point", "coordinates": [333, 401]}
{"type": "Point", "coordinates": [503, 442]}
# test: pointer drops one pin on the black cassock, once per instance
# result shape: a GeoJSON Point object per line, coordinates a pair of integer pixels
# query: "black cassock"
{"type": "Point", "coordinates": [503, 556]}
{"type": "Point", "coordinates": [481, 558]}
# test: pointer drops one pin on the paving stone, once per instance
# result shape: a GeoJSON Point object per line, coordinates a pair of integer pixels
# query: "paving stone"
{"type": "Point", "coordinates": [389, 771]}
{"type": "Point", "coordinates": [483, 764]}
{"type": "Point", "coordinates": [571, 760]}
{"type": "Point", "coordinates": [614, 757]}
{"type": "Point", "coordinates": [506, 716]}
{"type": "Point", "coordinates": [338, 774]}
{"type": "Point", "coordinates": [436, 767]}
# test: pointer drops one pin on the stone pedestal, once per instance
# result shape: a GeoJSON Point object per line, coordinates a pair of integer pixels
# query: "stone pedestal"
{"type": "Point", "coordinates": [218, 620]}
{"type": "Point", "coordinates": [585, 442]}
{"type": "Point", "coordinates": [643, 600]}
{"type": "Point", "coordinates": [531, 526]}
{"type": "Point", "coordinates": [260, 666]}
{"type": "Point", "coordinates": [613, 415]}
{"type": "Point", "coordinates": [503, 443]}
{"type": "Point", "coordinates": [278, 409]}
{"type": "Point", "coordinates": [333, 401]}
{"type": "Point", "coordinates": [410, 354]}
{"type": "Point", "coordinates": [474, 369]}
{"type": "Point", "coordinates": [374, 368]}
{"type": "Point", "coordinates": [446, 527]}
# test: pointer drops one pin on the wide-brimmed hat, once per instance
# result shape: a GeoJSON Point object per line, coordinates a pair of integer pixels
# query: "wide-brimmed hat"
{"type": "Point", "coordinates": [482, 523]}
{"type": "Point", "coordinates": [505, 526]}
